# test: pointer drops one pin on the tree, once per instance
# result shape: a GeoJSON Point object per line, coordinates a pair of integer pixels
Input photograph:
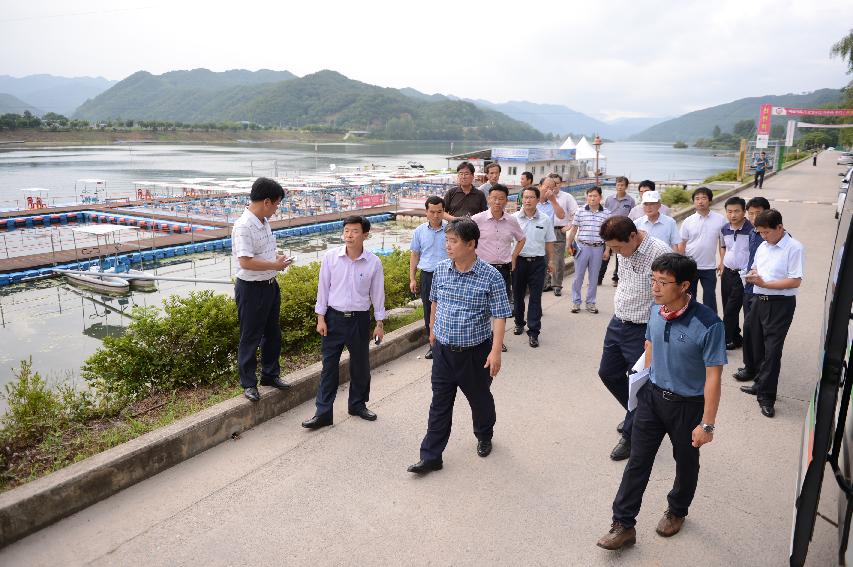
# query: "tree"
{"type": "Point", "coordinates": [778, 131]}
{"type": "Point", "coordinates": [844, 49]}
{"type": "Point", "coordinates": [744, 128]}
{"type": "Point", "coordinates": [716, 133]}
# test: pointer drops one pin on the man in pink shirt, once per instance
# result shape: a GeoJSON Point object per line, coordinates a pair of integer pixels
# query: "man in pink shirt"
{"type": "Point", "coordinates": [351, 279]}
{"type": "Point", "coordinates": [498, 231]}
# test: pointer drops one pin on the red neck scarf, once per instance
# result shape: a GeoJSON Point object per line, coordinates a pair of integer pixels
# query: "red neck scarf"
{"type": "Point", "coordinates": [670, 315]}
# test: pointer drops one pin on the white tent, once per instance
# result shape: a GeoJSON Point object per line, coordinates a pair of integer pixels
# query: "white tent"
{"type": "Point", "coordinates": [568, 144]}
{"type": "Point", "coordinates": [584, 150]}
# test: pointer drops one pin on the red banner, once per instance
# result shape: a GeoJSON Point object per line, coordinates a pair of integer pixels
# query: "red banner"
{"type": "Point", "coordinates": [784, 111]}
{"type": "Point", "coordinates": [764, 119]}
{"type": "Point", "coordinates": [363, 201]}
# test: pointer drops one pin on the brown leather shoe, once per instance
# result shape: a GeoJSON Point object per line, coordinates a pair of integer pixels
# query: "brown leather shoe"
{"type": "Point", "coordinates": [618, 537]}
{"type": "Point", "coordinates": [669, 525]}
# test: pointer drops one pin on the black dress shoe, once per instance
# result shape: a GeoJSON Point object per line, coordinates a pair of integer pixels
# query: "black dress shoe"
{"type": "Point", "coordinates": [622, 450]}
{"type": "Point", "coordinates": [275, 383]}
{"type": "Point", "coordinates": [558, 292]}
{"type": "Point", "coordinates": [428, 354]}
{"type": "Point", "coordinates": [620, 427]}
{"type": "Point", "coordinates": [363, 413]}
{"type": "Point", "coordinates": [317, 422]}
{"type": "Point", "coordinates": [425, 466]}
{"type": "Point", "coordinates": [767, 410]}
{"type": "Point", "coordinates": [533, 341]}
{"type": "Point", "coordinates": [743, 376]}
{"type": "Point", "coordinates": [252, 394]}
{"type": "Point", "coordinates": [503, 348]}
{"type": "Point", "coordinates": [751, 390]}
{"type": "Point", "coordinates": [484, 448]}
{"type": "Point", "coordinates": [733, 345]}
{"type": "Point", "coordinates": [518, 330]}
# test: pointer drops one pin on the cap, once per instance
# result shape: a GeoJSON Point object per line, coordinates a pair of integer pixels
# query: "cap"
{"type": "Point", "coordinates": [651, 197]}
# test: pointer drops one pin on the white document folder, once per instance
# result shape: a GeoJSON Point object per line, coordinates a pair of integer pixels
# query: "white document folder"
{"type": "Point", "coordinates": [636, 381]}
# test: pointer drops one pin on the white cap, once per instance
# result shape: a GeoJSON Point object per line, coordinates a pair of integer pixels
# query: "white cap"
{"type": "Point", "coordinates": [651, 197]}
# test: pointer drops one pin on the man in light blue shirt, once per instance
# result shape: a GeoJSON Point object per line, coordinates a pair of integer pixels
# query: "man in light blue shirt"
{"type": "Point", "coordinates": [653, 222]}
{"type": "Point", "coordinates": [427, 250]}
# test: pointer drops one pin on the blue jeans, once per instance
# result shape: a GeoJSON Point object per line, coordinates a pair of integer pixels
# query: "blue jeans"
{"type": "Point", "coordinates": [709, 287]}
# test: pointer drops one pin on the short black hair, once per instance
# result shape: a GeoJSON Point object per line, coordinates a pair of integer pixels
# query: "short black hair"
{"type": "Point", "coordinates": [499, 187]}
{"type": "Point", "coordinates": [771, 218]}
{"type": "Point", "coordinates": [622, 179]}
{"type": "Point", "coordinates": [703, 191]}
{"type": "Point", "coordinates": [646, 183]}
{"type": "Point", "coordinates": [682, 268]}
{"type": "Point", "coordinates": [531, 188]}
{"type": "Point", "coordinates": [358, 219]}
{"type": "Point", "coordinates": [266, 188]}
{"type": "Point", "coordinates": [617, 228]}
{"type": "Point", "coordinates": [493, 164]}
{"type": "Point", "coordinates": [434, 200]}
{"type": "Point", "coordinates": [527, 175]}
{"type": "Point", "coordinates": [556, 175]}
{"type": "Point", "coordinates": [465, 165]}
{"type": "Point", "coordinates": [595, 188]}
{"type": "Point", "coordinates": [758, 202]}
{"type": "Point", "coordinates": [464, 228]}
{"type": "Point", "coordinates": [736, 201]}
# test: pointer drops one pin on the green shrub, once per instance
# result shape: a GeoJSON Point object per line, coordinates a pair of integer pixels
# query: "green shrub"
{"type": "Point", "coordinates": [298, 296]}
{"type": "Point", "coordinates": [727, 175]}
{"type": "Point", "coordinates": [34, 409]}
{"type": "Point", "coordinates": [675, 196]}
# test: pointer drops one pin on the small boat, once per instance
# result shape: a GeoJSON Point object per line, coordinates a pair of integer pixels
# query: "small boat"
{"type": "Point", "coordinates": [98, 282]}
{"type": "Point", "coordinates": [136, 284]}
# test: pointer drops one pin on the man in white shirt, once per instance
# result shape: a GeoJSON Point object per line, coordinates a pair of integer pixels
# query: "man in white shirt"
{"type": "Point", "coordinates": [700, 240]}
{"type": "Point", "coordinates": [638, 211]}
{"type": "Point", "coordinates": [776, 274]}
{"type": "Point", "coordinates": [532, 264]}
{"type": "Point", "coordinates": [256, 289]}
{"type": "Point", "coordinates": [561, 226]}
{"type": "Point", "coordinates": [656, 223]}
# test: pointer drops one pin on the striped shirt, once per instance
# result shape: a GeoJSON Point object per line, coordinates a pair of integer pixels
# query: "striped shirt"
{"type": "Point", "coordinates": [589, 223]}
{"type": "Point", "coordinates": [466, 303]}
{"type": "Point", "coordinates": [251, 238]}
{"type": "Point", "coordinates": [736, 243]}
{"type": "Point", "coordinates": [634, 293]}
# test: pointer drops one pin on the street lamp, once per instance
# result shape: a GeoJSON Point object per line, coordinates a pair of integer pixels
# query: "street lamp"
{"type": "Point", "coordinates": [597, 143]}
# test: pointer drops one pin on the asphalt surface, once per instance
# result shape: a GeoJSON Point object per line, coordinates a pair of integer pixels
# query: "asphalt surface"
{"type": "Point", "coordinates": [342, 496]}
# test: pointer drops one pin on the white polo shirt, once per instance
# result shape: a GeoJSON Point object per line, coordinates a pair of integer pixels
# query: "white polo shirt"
{"type": "Point", "coordinates": [702, 234]}
{"type": "Point", "coordinates": [250, 238]}
{"type": "Point", "coordinates": [570, 205]}
{"type": "Point", "coordinates": [778, 262]}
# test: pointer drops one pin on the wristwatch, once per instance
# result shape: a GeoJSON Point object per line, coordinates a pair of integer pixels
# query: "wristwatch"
{"type": "Point", "coordinates": [707, 427]}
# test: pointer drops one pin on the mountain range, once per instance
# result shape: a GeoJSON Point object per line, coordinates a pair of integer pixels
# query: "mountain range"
{"type": "Point", "coordinates": [50, 93]}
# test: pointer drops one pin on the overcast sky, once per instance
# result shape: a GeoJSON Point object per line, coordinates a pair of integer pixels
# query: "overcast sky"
{"type": "Point", "coordinates": [604, 58]}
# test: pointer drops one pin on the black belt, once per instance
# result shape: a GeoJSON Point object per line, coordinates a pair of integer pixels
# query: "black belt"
{"type": "Point", "coordinates": [507, 266]}
{"type": "Point", "coordinates": [255, 282]}
{"type": "Point", "coordinates": [344, 313]}
{"type": "Point", "coordinates": [454, 348]}
{"type": "Point", "coordinates": [731, 270]}
{"type": "Point", "coordinates": [673, 397]}
{"type": "Point", "coordinates": [627, 322]}
{"type": "Point", "coordinates": [772, 297]}
{"type": "Point", "coordinates": [593, 244]}
{"type": "Point", "coordinates": [531, 258]}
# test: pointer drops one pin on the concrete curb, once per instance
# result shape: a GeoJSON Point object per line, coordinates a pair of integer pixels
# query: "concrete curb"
{"type": "Point", "coordinates": [37, 504]}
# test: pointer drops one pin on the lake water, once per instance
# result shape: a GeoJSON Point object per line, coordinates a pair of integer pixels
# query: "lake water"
{"type": "Point", "coordinates": [58, 168]}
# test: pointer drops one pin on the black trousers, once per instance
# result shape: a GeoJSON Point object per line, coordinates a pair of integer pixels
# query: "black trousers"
{"type": "Point", "coordinates": [426, 285]}
{"type": "Point", "coordinates": [529, 275]}
{"type": "Point", "coordinates": [769, 322]}
{"type": "Point", "coordinates": [624, 342]}
{"type": "Point", "coordinates": [709, 287]}
{"type": "Point", "coordinates": [731, 286]}
{"type": "Point", "coordinates": [354, 333]}
{"type": "Point", "coordinates": [604, 264]}
{"type": "Point", "coordinates": [759, 179]}
{"type": "Point", "coordinates": [748, 359]}
{"type": "Point", "coordinates": [463, 370]}
{"type": "Point", "coordinates": [258, 305]}
{"type": "Point", "coordinates": [654, 418]}
{"type": "Point", "coordinates": [505, 270]}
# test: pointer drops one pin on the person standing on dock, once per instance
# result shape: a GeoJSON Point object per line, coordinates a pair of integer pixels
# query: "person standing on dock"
{"type": "Point", "coordinates": [427, 250]}
{"type": "Point", "coordinates": [638, 211]}
{"type": "Point", "coordinates": [256, 289]}
{"type": "Point", "coordinates": [561, 226]}
{"type": "Point", "coordinates": [464, 200]}
{"type": "Point", "coordinates": [700, 239]}
{"type": "Point", "coordinates": [468, 321]}
{"type": "Point", "coordinates": [620, 204]}
{"type": "Point", "coordinates": [351, 279]}
{"type": "Point", "coordinates": [586, 225]}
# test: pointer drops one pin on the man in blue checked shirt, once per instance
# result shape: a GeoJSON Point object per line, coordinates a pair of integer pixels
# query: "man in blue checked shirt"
{"type": "Point", "coordinates": [467, 295]}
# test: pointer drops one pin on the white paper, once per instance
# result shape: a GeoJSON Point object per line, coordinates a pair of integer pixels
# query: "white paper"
{"type": "Point", "coordinates": [636, 381]}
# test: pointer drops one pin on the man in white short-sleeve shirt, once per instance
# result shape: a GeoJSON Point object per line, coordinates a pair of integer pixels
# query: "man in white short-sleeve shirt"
{"type": "Point", "coordinates": [700, 240]}
{"type": "Point", "coordinates": [256, 289]}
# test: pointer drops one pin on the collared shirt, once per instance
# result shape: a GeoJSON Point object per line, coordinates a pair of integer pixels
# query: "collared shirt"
{"type": "Point", "coordinates": [684, 347]}
{"type": "Point", "coordinates": [589, 223]}
{"type": "Point", "coordinates": [485, 188]}
{"type": "Point", "coordinates": [538, 230]}
{"type": "Point", "coordinates": [736, 243]}
{"type": "Point", "coordinates": [702, 234]}
{"type": "Point", "coordinates": [634, 293]}
{"type": "Point", "coordinates": [496, 237]}
{"type": "Point", "coordinates": [618, 206]}
{"type": "Point", "coordinates": [638, 211]}
{"type": "Point", "coordinates": [570, 206]}
{"type": "Point", "coordinates": [429, 243]}
{"type": "Point", "coordinates": [755, 241]}
{"type": "Point", "coordinates": [760, 164]}
{"type": "Point", "coordinates": [251, 238]}
{"type": "Point", "coordinates": [461, 205]}
{"type": "Point", "coordinates": [466, 303]}
{"type": "Point", "coordinates": [351, 285]}
{"type": "Point", "coordinates": [664, 228]}
{"type": "Point", "coordinates": [778, 262]}
{"type": "Point", "coordinates": [546, 209]}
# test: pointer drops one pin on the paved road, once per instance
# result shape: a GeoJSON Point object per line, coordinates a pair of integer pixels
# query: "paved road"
{"type": "Point", "coordinates": [341, 496]}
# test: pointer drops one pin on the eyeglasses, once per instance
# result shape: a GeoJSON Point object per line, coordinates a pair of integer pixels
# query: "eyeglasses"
{"type": "Point", "coordinates": [660, 283]}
